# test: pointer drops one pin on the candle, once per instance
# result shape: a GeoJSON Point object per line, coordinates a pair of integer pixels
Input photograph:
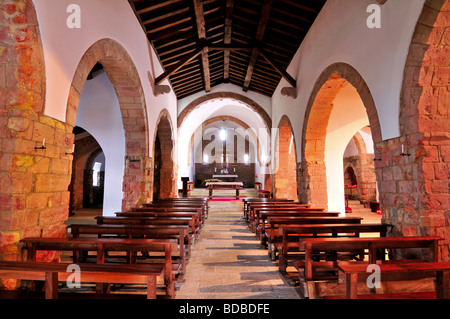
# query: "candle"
{"type": "Point", "coordinates": [43, 142]}
{"type": "Point", "coordinates": [403, 149]}
{"type": "Point", "coordinates": [73, 148]}
{"type": "Point", "coordinates": [234, 169]}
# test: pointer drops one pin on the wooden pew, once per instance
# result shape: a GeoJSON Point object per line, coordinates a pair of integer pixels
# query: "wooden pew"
{"type": "Point", "coordinates": [272, 234]}
{"type": "Point", "coordinates": [201, 215]}
{"type": "Point", "coordinates": [101, 246]}
{"type": "Point", "coordinates": [311, 270]}
{"type": "Point", "coordinates": [274, 205]}
{"type": "Point", "coordinates": [292, 236]}
{"type": "Point", "coordinates": [193, 230]}
{"type": "Point", "coordinates": [262, 225]}
{"type": "Point", "coordinates": [249, 201]}
{"type": "Point", "coordinates": [200, 204]}
{"type": "Point", "coordinates": [357, 272]}
{"type": "Point", "coordinates": [53, 272]}
{"type": "Point", "coordinates": [163, 214]}
{"type": "Point", "coordinates": [255, 213]}
{"type": "Point", "coordinates": [179, 232]}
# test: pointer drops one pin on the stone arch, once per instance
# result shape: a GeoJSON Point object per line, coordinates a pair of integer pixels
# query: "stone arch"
{"type": "Point", "coordinates": [359, 143]}
{"type": "Point", "coordinates": [285, 175]}
{"type": "Point", "coordinates": [221, 95]}
{"type": "Point", "coordinates": [164, 167]}
{"type": "Point", "coordinates": [414, 193]}
{"type": "Point", "coordinates": [124, 77]}
{"type": "Point", "coordinates": [312, 171]}
{"type": "Point", "coordinates": [227, 118]}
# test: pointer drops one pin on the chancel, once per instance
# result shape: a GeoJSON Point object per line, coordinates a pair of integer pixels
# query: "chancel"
{"type": "Point", "coordinates": [233, 149]}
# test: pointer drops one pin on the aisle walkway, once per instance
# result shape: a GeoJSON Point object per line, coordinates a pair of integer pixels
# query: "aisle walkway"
{"type": "Point", "coordinates": [228, 263]}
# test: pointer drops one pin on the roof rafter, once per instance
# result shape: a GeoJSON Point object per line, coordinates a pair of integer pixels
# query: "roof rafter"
{"type": "Point", "coordinates": [265, 15]}
{"type": "Point", "coordinates": [201, 33]}
{"type": "Point", "coordinates": [227, 38]}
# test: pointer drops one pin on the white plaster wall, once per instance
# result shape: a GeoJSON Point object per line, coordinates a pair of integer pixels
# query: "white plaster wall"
{"type": "Point", "coordinates": [64, 47]}
{"type": "Point", "coordinates": [340, 34]}
{"type": "Point", "coordinates": [264, 101]}
{"type": "Point", "coordinates": [99, 114]}
{"type": "Point", "coordinates": [346, 119]}
{"type": "Point", "coordinates": [214, 108]}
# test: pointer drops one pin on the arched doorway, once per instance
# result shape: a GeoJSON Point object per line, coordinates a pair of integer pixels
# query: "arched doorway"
{"type": "Point", "coordinates": [164, 175]}
{"type": "Point", "coordinates": [88, 172]}
{"type": "Point", "coordinates": [225, 105]}
{"type": "Point", "coordinates": [325, 135]}
{"type": "Point", "coordinates": [286, 162]}
{"type": "Point", "coordinates": [224, 145]}
{"type": "Point", "coordinates": [360, 181]}
{"type": "Point", "coordinates": [124, 77]}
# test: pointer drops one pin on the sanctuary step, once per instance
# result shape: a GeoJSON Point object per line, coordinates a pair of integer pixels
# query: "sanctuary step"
{"type": "Point", "coordinates": [357, 207]}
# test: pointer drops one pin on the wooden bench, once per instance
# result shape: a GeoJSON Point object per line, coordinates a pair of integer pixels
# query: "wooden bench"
{"type": "Point", "coordinates": [272, 232]}
{"type": "Point", "coordinates": [248, 201]}
{"type": "Point", "coordinates": [254, 216]}
{"type": "Point", "coordinates": [102, 246]}
{"type": "Point", "coordinates": [357, 271]}
{"type": "Point", "coordinates": [262, 224]}
{"type": "Point", "coordinates": [292, 236]}
{"type": "Point", "coordinates": [253, 208]}
{"type": "Point", "coordinates": [53, 272]}
{"type": "Point", "coordinates": [179, 232]}
{"type": "Point", "coordinates": [150, 221]}
{"type": "Point", "coordinates": [311, 270]}
{"type": "Point", "coordinates": [178, 214]}
{"type": "Point", "coordinates": [201, 216]}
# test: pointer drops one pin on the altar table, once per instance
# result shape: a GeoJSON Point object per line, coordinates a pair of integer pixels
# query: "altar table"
{"type": "Point", "coordinates": [224, 185]}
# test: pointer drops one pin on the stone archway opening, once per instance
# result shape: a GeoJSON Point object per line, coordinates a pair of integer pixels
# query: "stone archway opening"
{"type": "Point", "coordinates": [124, 77]}
{"type": "Point", "coordinates": [285, 177]}
{"type": "Point", "coordinates": [164, 171]}
{"type": "Point", "coordinates": [86, 187]}
{"type": "Point", "coordinates": [340, 105]}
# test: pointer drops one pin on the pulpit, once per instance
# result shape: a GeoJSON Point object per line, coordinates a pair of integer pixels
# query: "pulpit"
{"type": "Point", "coordinates": [185, 180]}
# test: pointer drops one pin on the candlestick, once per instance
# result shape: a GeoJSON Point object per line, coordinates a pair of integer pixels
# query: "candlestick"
{"type": "Point", "coordinates": [43, 142]}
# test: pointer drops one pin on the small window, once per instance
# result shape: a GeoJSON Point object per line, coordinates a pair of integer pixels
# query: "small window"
{"type": "Point", "coordinates": [96, 174]}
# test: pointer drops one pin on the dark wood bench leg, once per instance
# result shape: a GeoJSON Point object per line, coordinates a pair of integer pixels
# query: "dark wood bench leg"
{"type": "Point", "coordinates": [442, 285]}
{"type": "Point", "coordinates": [151, 287]}
{"type": "Point", "coordinates": [51, 285]}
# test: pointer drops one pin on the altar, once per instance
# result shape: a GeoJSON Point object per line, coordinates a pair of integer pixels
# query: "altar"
{"type": "Point", "coordinates": [226, 177]}
{"type": "Point", "coordinates": [224, 185]}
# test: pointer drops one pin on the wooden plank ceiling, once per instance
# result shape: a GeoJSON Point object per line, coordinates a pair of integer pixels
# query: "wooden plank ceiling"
{"type": "Point", "coordinates": [203, 43]}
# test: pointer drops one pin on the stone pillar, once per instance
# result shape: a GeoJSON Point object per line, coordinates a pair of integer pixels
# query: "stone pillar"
{"type": "Point", "coordinates": [137, 181]}
{"type": "Point", "coordinates": [34, 197]}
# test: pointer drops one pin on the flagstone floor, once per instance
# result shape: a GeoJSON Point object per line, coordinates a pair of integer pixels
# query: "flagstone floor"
{"type": "Point", "coordinates": [228, 262]}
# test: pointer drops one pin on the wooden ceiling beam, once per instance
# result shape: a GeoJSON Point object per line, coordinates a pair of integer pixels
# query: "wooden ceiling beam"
{"type": "Point", "coordinates": [201, 34]}
{"type": "Point", "coordinates": [227, 38]}
{"type": "Point", "coordinates": [177, 66]}
{"type": "Point", "coordinates": [278, 68]}
{"type": "Point", "coordinates": [265, 15]}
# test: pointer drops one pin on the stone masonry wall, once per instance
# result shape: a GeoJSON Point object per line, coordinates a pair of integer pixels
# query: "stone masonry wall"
{"type": "Point", "coordinates": [34, 197]}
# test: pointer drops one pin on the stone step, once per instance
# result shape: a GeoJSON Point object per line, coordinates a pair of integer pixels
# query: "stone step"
{"type": "Point", "coordinates": [361, 210]}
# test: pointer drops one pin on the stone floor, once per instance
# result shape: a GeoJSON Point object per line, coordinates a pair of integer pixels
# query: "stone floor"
{"type": "Point", "coordinates": [229, 263]}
